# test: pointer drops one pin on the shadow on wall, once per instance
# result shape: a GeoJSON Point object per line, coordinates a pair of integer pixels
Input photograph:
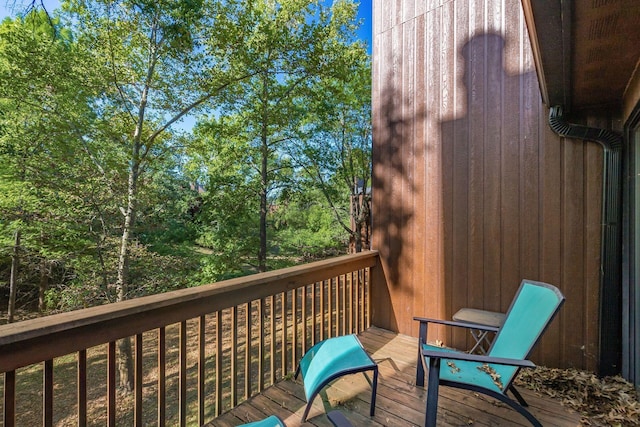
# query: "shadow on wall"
{"type": "Point", "coordinates": [491, 183]}
{"type": "Point", "coordinates": [393, 185]}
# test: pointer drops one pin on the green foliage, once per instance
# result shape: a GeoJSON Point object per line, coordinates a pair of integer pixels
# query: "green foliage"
{"type": "Point", "coordinates": [289, 46]}
{"type": "Point", "coordinates": [305, 229]}
{"type": "Point", "coordinates": [89, 102]}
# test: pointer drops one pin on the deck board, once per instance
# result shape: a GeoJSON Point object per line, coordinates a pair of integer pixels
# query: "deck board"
{"type": "Point", "coordinates": [399, 402]}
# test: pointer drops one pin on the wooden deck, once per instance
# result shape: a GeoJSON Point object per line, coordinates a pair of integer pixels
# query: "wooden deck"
{"type": "Point", "coordinates": [399, 401]}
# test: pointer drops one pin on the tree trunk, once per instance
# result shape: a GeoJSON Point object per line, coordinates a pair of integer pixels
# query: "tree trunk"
{"type": "Point", "coordinates": [43, 285]}
{"type": "Point", "coordinates": [125, 365]}
{"type": "Point", "coordinates": [125, 353]}
{"type": "Point", "coordinates": [125, 357]}
{"type": "Point", "coordinates": [262, 253]}
{"type": "Point", "coordinates": [13, 281]}
{"type": "Point", "coordinates": [264, 177]}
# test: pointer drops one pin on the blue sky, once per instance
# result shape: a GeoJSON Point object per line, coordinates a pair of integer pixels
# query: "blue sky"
{"type": "Point", "coordinates": [364, 12]}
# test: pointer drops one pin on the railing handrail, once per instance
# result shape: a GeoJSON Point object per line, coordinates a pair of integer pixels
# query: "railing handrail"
{"type": "Point", "coordinates": [28, 342]}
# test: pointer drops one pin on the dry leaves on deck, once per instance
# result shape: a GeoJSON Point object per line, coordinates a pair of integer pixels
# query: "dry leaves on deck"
{"type": "Point", "coordinates": [609, 401]}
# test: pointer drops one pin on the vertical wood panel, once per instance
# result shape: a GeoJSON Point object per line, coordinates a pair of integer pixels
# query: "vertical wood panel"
{"type": "Point", "coordinates": [395, 207]}
{"type": "Point", "coordinates": [472, 191]}
{"type": "Point", "coordinates": [419, 152]}
{"type": "Point", "coordinates": [492, 172]}
{"type": "Point", "coordinates": [531, 136]}
{"type": "Point", "coordinates": [472, 57]}
{"type": "Point", "coordinates": [550, 220]}
{"type": "Point", "coordinates": [573, 248]}
{"type": "Point", "coordinates": [381, 152]}
{"type": "Point", "coordinates": [407, 157]}
{"type": "Point", "coordinates": [455, 137]}
{"type": "Point", "coordinates": [593, 165]}
{"type": "Point", "coordinates": [512, 189]}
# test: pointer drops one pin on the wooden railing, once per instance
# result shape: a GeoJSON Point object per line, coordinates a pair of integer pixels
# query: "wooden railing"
{"type": "Point", "coordinates": [197, 352]}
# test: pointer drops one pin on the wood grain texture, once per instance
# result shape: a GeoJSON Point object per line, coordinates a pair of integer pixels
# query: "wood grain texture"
{"type": "Point", "coordinates": [399, 402]}
{"type": "Point", "coordinates": [472, 190]}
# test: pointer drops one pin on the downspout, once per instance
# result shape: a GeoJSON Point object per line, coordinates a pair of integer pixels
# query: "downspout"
{"type": "Point", "coordinates": [610, 336]}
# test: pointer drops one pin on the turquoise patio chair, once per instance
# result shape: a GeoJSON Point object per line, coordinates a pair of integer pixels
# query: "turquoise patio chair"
{"type": "Point", "coordinates": [532, 309]}
{"type": "Point", "coordinates": [272, 421]}
{"type": "Point", "coordinates": [331, 359]}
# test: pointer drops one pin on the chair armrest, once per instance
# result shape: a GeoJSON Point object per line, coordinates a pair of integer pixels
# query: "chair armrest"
{"type": "Point", "coordinates": [457, 324]}
{"type": "Point", "coordinates": [522, 363]}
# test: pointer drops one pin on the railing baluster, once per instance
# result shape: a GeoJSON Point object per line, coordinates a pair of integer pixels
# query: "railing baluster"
{"type": "Point", "coordinates": [218, 387]}
{"type": "Point", "coordinates": [356, 278]}
{"type": "Point", "coordinates": [261, 306]}
{"type": "Point", "coordinates": [330, 308]}
{"type": "Point", "coordinates": [47, 394]}
{"type": "Point", "coordinates": [9, 398]}
{"type": "Point", "coordinates": [182, 375]}
{"type": "Point", "coordinates": [337, 306]}
{"type": "Point", "coordinates": [111, 384]}
{"type": "Point", "coordinates": [272, 338]}
{"type": "Point", "coordinates": [234, 356]}
{"type": "Point", "coordinates": [352, 308]}
{"type": "Point", "coordinates": [247, 351]}
{"type": "Point", "coordinates": [284, 350]}
{"type": "Point", "coordinates": [314, 313]}
{"type": "Point", "coordinates": [303, 319]}
{"type": "Point", "coordinates": [345, 303]}
{"type": "Point", "coordinates": [294, 328]}
{"type": "Point", "coordinates": [82, 388]}
{"type": "Point", "coordinates": [162, 382]}
{"type": "Point", "coordinates": [201, 367]}
{"type": "Point", "coordinates": [323, 286]}
{"type": "Point", "coordinates": [354, 304]}
{"type": "Point", "coordinates": [138, 381]}
{"type": "Point", "coordinates": [367, 290]}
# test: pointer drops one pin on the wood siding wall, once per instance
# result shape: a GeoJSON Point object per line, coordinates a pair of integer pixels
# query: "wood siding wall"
{"type": "Point", "coordinates": [472, 191]}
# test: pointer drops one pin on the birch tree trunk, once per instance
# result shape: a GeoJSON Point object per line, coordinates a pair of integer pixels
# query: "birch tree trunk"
{"type": "Point", "coordinates": [13, 281]}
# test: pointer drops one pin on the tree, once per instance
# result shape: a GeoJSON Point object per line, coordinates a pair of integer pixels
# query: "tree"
{"type": "Point", "coordinates": [159, 72]}
{"type": "Point", "coordinates": [288, 47]}
{"type": "Point", "coordinates": [336, 154]}
{"type": "Point", "coordinates": [221, 160]}
{"type": "Point", "coordinates": [44, 110]}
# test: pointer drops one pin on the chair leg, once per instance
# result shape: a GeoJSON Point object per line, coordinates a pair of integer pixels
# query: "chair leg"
{"type": "Point", "coordinates": [338, 419]}
{"type": "Point", "coordinates": [295, 377]}
{"type": "Point", "coordinates": [374, 390]}
{"type": "Point", "coordinates": [432, 392]}
{"type": "Point", "coordinates": [518, 396]}
{"type": "Point", "coordinates": [306, 410]}
{"type": "Point", "coordinates": [420, 369]}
